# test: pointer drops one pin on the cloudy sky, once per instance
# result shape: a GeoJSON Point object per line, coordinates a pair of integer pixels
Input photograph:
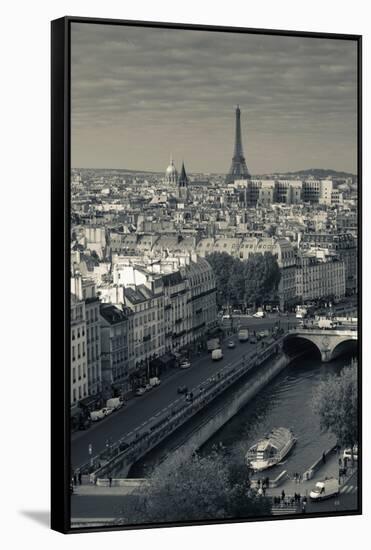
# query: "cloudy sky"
{"type": "Point", "coordinates": [140, 94]}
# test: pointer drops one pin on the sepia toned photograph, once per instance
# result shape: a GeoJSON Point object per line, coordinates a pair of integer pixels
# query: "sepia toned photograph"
{"type": "Point", "coordinates": [214, 278]}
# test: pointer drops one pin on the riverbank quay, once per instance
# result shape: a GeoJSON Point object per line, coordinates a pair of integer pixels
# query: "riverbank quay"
{"type": "Point", "coordinates": [302, 484]}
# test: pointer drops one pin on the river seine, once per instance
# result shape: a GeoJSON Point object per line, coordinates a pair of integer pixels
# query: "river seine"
{"type": "Point", "coordinates": [285, 402]}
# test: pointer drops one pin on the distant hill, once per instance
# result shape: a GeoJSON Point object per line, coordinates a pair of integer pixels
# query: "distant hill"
{"type": "Point", "coordinates": [320, 173]}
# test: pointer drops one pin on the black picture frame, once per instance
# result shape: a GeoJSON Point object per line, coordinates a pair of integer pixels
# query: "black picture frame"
{"type": "Point", "coordinates": [60, 260]}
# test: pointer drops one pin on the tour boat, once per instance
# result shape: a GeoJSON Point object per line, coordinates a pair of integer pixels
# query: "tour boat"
{"type": "Point", "coordinates": [270, 450]}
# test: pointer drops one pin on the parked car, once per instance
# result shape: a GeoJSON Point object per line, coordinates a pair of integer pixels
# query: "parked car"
{"type": "Point", "coordinates": [98, 415]}
{"type": "Point", "coordinates": [182, 389]}
{"type": "Point", "coordinates": [185, 364]}
{"type": "Point", "coordinates": [155, 381]}
{"type": "Point", "coordinates": [226, 317]}
{"type": "Point", "coordinates": [231, 344]}
{"type": "Point", "coordinates": [140, 391]}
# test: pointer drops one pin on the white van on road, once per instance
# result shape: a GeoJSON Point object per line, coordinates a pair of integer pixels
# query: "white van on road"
{"type": "Point", "coordinates": [217, 354]}
{"type": "Point", "coordinates": [325, 489]}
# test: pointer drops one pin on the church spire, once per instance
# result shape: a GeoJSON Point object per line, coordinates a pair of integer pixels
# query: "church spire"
{"type": "Point", "coordinates": [183, 178]}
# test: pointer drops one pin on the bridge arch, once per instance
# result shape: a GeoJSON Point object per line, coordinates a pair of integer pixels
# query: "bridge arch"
{"type": "Point", "coordinates": [295, 344]}
{"type": "Point", "coordinates": [329, 344]}
{"type": "Point", "coordinates": [345, 346]}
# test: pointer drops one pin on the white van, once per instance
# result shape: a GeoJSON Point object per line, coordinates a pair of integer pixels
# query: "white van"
{"type": "Point", "coordinates": [325, 489]}
{"type": "Point", "coordinates": [217, 354]}
{"type": "Point", "coordinates": [114, 403]}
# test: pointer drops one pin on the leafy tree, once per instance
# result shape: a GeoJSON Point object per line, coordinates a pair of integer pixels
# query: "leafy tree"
{"type": "Point", "coordinates": [254, 281]}
{"type": "Point", "coordinates": [262, 277]}
{"type": "Point", "coordinates": [199, 488]}
{"type": "Point", "coordinates": [336, 402]}
{"type": "Point", "coordinates": [222, 264]}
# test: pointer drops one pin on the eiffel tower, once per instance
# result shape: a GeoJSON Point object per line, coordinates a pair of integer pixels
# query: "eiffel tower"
{"type": "Point", "coordinates": [238, 169]}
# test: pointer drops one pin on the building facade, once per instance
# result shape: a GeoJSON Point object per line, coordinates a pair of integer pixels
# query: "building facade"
{"type": "Point", "coordinates": [114, 350]}
{"type": "Point", "coordinates": [79, 375]}
{"type": "Point", "coordinates": [319, 278]}
{"type": "Point", "coordinates": [345, 246]}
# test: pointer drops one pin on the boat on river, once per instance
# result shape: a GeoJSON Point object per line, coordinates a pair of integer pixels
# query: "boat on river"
{"type": "Point", "coordinates": [270, 450]}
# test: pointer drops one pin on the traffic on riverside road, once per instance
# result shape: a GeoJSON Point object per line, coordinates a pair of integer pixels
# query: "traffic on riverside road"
{"type": "Point", "coordinates": [138, 414]}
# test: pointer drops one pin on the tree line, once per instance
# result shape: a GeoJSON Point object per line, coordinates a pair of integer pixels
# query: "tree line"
{"type": "Point", "coordinates": [251, 282]}
{"type": "Point", "coordinates": [199, 488]}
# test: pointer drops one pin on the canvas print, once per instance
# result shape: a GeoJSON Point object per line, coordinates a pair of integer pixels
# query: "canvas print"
{"type": "Point", "coordinates": [214, 192]}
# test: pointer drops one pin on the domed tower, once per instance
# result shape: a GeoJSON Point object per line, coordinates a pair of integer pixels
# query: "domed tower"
{"type": "Point", "coordinates": [171, 174]}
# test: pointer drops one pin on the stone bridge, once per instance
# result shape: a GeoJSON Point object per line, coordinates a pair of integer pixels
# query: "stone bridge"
{"type": "Point", "coordinates": [330, 342]}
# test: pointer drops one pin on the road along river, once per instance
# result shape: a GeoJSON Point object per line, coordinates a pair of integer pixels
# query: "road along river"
{"type": "Point", "coordinates": [285, 401]}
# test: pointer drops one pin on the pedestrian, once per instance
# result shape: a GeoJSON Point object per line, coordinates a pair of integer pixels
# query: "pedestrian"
{"type": "Point", "coordinates": [110, 481]}
{"type": "Point", "coordinates": [324, 458]}
{"type": "Point", "coordinates": [283, 495]}
{"type": "Point", "coordinates": [303, 506]}
{"type": "Point", "coordinates": [75, 479]}
{"type": "Point", "coordinates": [80, 478]}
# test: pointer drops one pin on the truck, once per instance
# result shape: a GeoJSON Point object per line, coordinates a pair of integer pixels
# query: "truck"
{"type": "Point", "coordinates": [213, 343]}
{"type": "Point", "coordinates": [155, 381]}
{"type": "Point", "coordinates": [217, 354]}
{"type": "Point", "coordinates": [114, 403]}
{"type": "Point", "coordinates": [326, 323]}
{"type": "Point", "coordinates": [243, 334]}
{"type": "Point", "coordinates": [325, 489]}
